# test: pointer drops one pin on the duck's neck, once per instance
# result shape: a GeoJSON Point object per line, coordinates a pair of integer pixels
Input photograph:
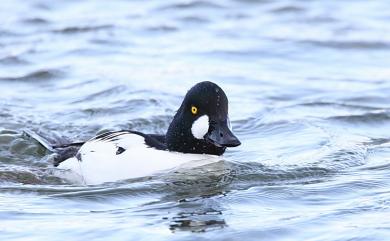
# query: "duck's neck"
{"type": "Point", "coordinates": [179, 138]}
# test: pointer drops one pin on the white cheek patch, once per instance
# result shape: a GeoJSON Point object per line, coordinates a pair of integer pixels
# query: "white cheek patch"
{"type": "Point", "coordinates": [200, 127]}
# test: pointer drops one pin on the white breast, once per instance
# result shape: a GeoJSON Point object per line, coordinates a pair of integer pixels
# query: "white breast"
{"type": "Point", "coordinates": [101, 163]}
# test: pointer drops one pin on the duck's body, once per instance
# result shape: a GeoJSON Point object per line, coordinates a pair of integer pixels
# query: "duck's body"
{"type": "Point", "coordinates": [199, 132]}
{"type": "Point", "coordinates": [121, 155]}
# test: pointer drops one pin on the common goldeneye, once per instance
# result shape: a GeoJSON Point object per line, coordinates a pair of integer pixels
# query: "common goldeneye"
{"type": "Point", "coordinates": [199, 131]}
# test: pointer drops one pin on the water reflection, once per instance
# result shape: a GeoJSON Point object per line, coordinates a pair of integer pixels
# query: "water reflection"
{"type": "Point", "coordinates": [197, 192]}
{"type": "Point", "coordinates": [207, 217]}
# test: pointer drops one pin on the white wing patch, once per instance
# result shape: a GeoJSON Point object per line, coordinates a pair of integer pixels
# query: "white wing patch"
{"type": "Point", "coordinates": [200, 127]}
{"type": "Point", "coordinates": [100, 162]}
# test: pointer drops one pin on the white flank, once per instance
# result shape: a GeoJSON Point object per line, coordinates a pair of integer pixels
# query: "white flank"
{"type": "Point", "coordinates": [200, 127]}
{"type": "Point", "coordinates": [100, 163]}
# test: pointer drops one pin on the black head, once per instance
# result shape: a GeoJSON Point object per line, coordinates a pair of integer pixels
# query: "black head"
{"type": "Point", "coordinates": [201, 125]}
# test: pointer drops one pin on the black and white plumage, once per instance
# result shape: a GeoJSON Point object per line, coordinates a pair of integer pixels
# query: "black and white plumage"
{"type": "Point", "coordinates": [200, 131]}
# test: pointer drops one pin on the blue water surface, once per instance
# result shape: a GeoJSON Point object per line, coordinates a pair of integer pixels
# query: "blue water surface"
{"type": "Point", "coordinates": [309, 90]}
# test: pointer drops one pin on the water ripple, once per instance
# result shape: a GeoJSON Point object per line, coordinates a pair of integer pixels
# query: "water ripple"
{"type": "Point", "coordinates": [79, 29]}
{"type": "Point", "coordinates": [39, 75]}
{"type": "Point", "coordinates": [367, 118]}
{"type": "Point", "coordinates": [366, 45]}
{"type": "Point", "coordinates": [192, 5]}
{"type": "Point", "coordinates": [13, 60]}
{"type": "Point", "coordinates": [36, 21]}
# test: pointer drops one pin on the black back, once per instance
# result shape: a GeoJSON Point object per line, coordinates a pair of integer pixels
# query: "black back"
{"type": "Point", "coordinates": [152, 140]}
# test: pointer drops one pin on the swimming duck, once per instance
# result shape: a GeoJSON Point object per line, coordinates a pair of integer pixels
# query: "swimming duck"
{"type": "Point", "coordinates": [200, 130]}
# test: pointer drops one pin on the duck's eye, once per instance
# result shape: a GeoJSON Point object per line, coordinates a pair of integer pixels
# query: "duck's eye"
{"type": "Point", "coordinates": [194, 110]}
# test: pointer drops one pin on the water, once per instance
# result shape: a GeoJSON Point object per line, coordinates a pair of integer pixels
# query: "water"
{"type": "Point", "coordinates": [308, 84]}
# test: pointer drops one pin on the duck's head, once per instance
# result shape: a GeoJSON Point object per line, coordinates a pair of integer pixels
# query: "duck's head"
{"type": "Point", "coordinates": [201, 125]}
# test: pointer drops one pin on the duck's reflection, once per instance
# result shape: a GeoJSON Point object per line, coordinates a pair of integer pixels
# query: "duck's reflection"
{"type": "Point", "coordinates": [198, 221]}
{"type": "Point", "coordinates": [197, 193]}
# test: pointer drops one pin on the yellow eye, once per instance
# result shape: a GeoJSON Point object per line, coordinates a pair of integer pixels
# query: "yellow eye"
{"type": "Point", "coordinates": [194, 110]}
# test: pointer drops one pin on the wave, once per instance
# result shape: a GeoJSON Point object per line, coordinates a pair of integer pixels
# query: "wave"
{"type": "Point", "coordinates": [345, 44]}
{"type": "Point", "coordinates": [192, 5]}
{"type": "Point", "coordinates": [366, 118]}
{"type": "Point", "coordinates": [13, 60]}
{"type": "Point", "coordinates": [38, 75]}
{"type": "Point", "coordinates": [83, 29]}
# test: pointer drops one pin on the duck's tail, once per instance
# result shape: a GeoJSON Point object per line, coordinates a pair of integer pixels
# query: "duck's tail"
{"type": "Point", "coordinates": [61, 147]}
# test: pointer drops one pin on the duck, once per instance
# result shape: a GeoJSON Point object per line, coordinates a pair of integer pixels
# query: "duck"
{"type": "Point", "coordinates": [200, 132]}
